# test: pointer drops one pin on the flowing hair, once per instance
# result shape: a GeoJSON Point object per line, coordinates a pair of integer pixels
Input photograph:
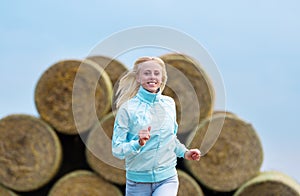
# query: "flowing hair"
{"type": "Point", "coordinates": [128, 86]}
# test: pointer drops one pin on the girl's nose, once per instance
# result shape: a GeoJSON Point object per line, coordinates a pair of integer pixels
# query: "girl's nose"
{"type": "Point", "coordinates": [152, 75]}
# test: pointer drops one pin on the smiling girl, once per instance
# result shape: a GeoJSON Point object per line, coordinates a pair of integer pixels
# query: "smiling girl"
{"type": "Point", "coordinates": [145, 131]}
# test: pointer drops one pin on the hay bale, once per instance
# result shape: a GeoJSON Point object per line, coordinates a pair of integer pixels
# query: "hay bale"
{"type": "Point", "coordinates": [235, 158]}
{"type": "Point", "coordinates": [6, 192]}
{"type": "Point", "coordinates": [115, 70]}
{"type": "Point", "coordinates": [30, 152]}
{"type": "Point", "coordinates": [71, 96]}
{"type": "Point", "coordinates": [112, 67]}
{"type": "Point", "coordinates": [191, 89]}
{"type": "Point", "coordinates": [187, 185]}
{"type": "Point", "coordinates": [83, 182]}
{"type": "Point", "coordinates": [270, 183]}
{"type": "Point", "coordinates": [99, 152]}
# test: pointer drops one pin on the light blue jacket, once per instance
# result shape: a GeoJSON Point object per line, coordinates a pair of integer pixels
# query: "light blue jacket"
{"type": "Point", "coordinates": [157, 159]}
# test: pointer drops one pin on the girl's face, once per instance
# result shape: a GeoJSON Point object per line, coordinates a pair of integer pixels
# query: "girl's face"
{"type": "Point", "coordinates": [150, 76]}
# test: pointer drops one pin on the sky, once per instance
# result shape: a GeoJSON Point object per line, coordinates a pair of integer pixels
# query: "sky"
{"type": "Point", "coordinates": [254, 44]}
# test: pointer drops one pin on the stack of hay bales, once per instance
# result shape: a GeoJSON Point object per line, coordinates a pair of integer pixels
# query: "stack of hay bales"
{"type": "Point", "coordinates": [67, 149]}
{"type": "Point", "coordinates": [46, 155]}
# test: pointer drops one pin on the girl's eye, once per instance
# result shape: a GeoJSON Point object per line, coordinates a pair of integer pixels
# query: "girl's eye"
{"type": "Point", "coordinates": [148, 73]}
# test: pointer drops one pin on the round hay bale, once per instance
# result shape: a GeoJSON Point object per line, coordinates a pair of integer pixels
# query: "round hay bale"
{"type": "Point", "coordinates": [6, 192]}
{"type": "Point", "coordinates": [191, 89]}
{"type": "Point", "coordinates": [72, 95]}
{"type": "Point", "coordinates": [187, 185]}
{"type": "Point", "coordinates": [83, 182]}
{"type": "Point", "coordinates": [99, 154]}
{"type": "Point", "coordinates": [234, 158]}
{"type": "Point", "coordinates": [30, 151]}
{"type": "Point", "coordinates": [269, 183]}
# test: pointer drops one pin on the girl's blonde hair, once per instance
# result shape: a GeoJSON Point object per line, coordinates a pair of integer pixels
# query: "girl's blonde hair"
{"type": "Point", "coordinates": [128, 86]}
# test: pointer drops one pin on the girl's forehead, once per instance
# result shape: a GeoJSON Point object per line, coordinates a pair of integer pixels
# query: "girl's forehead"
{"type": "Point", "coordinates": [150, 65]}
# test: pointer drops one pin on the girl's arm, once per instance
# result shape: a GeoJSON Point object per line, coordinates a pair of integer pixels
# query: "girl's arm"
{"type": "Point", "coordinates": [121, 145]}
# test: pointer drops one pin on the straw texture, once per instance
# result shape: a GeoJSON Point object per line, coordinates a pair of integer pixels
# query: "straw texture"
{"type": "Point", "coordinates": [270, 183]}
{"type": "Point", "coordinates": [30, 152]}
{"type": "Point", "coordinates": [83, 182]}
{"type": "Point", "coordinates": [188, 186]}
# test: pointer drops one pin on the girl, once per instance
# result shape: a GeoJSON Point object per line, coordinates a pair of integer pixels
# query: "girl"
{"type": "Point", "coordinates": [145, 131]}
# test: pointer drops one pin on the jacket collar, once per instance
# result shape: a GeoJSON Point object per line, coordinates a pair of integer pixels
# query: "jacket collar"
{"type": "Point", "coordinates": [147, 96]}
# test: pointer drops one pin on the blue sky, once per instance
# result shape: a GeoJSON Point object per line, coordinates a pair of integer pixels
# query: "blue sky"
{"type": "Point", "coordinates": [255, 44]}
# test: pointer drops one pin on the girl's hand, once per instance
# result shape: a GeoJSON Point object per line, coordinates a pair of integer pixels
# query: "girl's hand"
{"type": "Point", "coordinates": [192, 154]}
{"type": "Point", "coordinates": [144, 136]}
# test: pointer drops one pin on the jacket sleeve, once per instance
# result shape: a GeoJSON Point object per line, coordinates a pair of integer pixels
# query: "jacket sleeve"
{"type": "Point", "coordinates": [180, 148]}
{"type": "Point", "coordinates": [121, 145]}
